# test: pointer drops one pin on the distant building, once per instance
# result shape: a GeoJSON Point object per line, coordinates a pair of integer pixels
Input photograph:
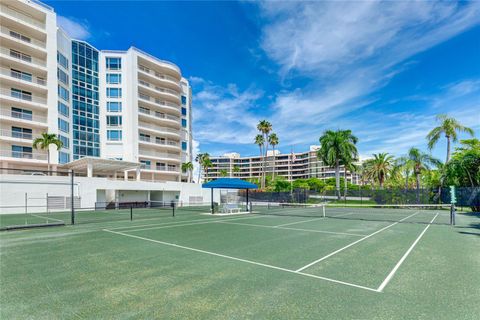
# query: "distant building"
{"type": "Point", "coordinates": [292, 166]}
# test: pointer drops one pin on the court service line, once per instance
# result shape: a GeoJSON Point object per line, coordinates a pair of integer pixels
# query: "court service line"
{"type": "Point", "coordinates": [399, 263]}
{"type": "Point", "coordinates": [288, 228]}
{"type": "Point", "coordinates": [186, 224]}
{"type": "Point", "coordinates": [297, 222]}
{"type": "Point", "coordinates": [43, 217]}
{"type": "Point", "coordinates": [242, 260]}
{"type": "Point", "coordinates": [354, 243]}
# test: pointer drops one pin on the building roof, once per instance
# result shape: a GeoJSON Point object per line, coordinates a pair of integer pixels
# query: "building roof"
{"type": "Point", "coordinates": [229, 183]}
{"type": "Point", "coordinates": [101, 166]}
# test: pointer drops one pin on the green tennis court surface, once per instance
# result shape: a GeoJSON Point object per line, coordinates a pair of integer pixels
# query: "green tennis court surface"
{"type": "Point", "coordinates": [281, 263]}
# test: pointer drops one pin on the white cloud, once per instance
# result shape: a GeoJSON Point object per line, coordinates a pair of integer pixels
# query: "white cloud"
{"type": "Point", "coordinates": [75, 28]}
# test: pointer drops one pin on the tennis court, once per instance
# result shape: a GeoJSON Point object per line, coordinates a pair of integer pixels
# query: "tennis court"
{"type": "Point", "coordinates": [281, 262]}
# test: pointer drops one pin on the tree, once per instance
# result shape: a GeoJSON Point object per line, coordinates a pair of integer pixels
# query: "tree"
{"type": "Point", "coordinates": [260, 142]}
{"type": "Point", "coordinates": [188, 167]}
{"type": "Point", "coordinates": [351, 167]}
{"type": "Point", "coordinates": [200, 159]}
{"type": "Point", "coordinates": [380, 167]}
{"type": "Point", "coordinates": [335, 146]}
{"type": "Point", "coordinates": [273, 140]}
{"type": "Point", "coordinates": [223, 173]}
{"type": "Point", "coordinates": [44, 142]}
{"type": "Point", "coordinates": [420, 162]}
{"type": "Point", "coordinates": [206, 163]}
{"type": "Point", "coordinates": [236, 169]}
{"type": "Point", "coordinates": [265, 128]}
{"type": "Point", "coordinates": [449, 127]}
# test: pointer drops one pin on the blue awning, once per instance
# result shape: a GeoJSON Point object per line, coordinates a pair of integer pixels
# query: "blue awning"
{"type": "Point", "coordinates": [229, 183]}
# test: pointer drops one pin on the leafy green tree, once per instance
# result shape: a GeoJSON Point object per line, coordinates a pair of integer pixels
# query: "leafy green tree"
{"type": "Point", "coordinates": [464, 168]}
{"type": "Point", "coordinates": [44, 141]}
{"type": "Point", "coordinates": [236, 169]}
{"type": "Point", "coordinates": [280, 184]}
{"type": "Point", "coordinates": [379, 168]}
{"type": "Point", "coordinates": [449, 127]}
{"type": "Point", "coordinates": [223, 173]}
{"type": "Point", "coordinates": [420, 162]}
{"type": "Point", "coordinates": [273, 140]}
{"type": "Point", "coordinates": [188, 167]}
{"type": "Point", "coordinates": [335, 146]}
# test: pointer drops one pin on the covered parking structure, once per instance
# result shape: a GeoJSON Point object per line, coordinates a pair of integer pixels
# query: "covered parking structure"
{"type": "Point", "coordinates": [229, 183]}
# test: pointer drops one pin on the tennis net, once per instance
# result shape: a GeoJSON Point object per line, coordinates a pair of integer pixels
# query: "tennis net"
{"type": "Point", "coordinates": [416, 213]}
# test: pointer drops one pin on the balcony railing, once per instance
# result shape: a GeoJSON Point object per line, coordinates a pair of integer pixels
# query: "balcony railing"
{"type": "Point", "coordinates": [23, 155]}
{"type": "Point", "coordinates": [158, 128]}
{"type": "Point", "coordinates": [23, 76]}
{"type": "Point", "coordinates": [158, 114]}
{"type": "Point", "coordinates": [152, 153]}
{"type": "Point", "coordinates": [22, 57]}
{"type": "Point", "coordinates": [23, 97]}
{"type": "Point", "coordinates": [162, 103]}
{"type": "Point", "coordinates": [21, 16]}
{"type": "Point", "coordinates": [18, 135]}
{"type": "Point", "coordinates": [22, 115]}
{"type": "Point", "coordinates": [164, 143]}
{"type": "Point", "coordinates": [156, 88]}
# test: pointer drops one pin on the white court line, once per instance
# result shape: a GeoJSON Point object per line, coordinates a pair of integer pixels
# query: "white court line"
{"type": "Point", "coordinates": [177, 222]}
{"type": "Point", "coordinates": [354, 243]}
{"type": "Point", "coordinates": [43, 217]}
{"type": "Point", "coordinates": [287, 228]}
{"type": "Point", "coordinates": [186, 224]}
{"type": "Point", "coordinates": [297, 222]}
{"type": "Point", "coordinates": [241, 260]}
{"type": "Point", "coordinates": [399, 263]}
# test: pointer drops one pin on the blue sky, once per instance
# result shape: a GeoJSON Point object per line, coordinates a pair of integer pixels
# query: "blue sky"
{"type": "Point", "coordinates": [383, 70]}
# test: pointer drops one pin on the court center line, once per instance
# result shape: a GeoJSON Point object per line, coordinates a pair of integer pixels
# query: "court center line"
{"type": "Point", "coordinates": [288, 228]}
{"type": "Point", "coordinates": [186, 224]}
{"type": "Point", "coordinates": [399, 263]}
{"type": "Point", "coordinates": [297, 222]}
{"type": "Point", "coordinates": [242, 260]}
{"type": "Point", "coordinates": [353, 243]}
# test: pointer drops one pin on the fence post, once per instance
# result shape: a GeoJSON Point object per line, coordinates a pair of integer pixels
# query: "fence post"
{"type": "Point", "coordinates": [131, 212]}
{"type": "Point", "coordinates": [72, 200]}
{"type": "Point", "coordinates": [26, 203]}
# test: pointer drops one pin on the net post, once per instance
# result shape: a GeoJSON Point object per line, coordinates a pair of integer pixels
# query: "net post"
{"type": "Point", "coordinates": [247, 202]}
{"type": "Point", "coordinates": [173, 209]}
{"type": "Point", "coordinates": [452, 214]}
{"type": "Point", "coordinates": [323, 210]}
{"type": "Point", "coordinates": [72, 201]}
{"type": "Point", "coordinates": [131, 212]}
{"type": "Point", "coordinates": [211, 200]}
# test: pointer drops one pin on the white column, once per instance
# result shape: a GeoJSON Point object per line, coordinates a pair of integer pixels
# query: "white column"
{"type": "Point", "coordinates": [89, 169]}
{"type": "Point", "coordinates": [125, 175]}
{"type": "Point", "coordinates": [138, 174]}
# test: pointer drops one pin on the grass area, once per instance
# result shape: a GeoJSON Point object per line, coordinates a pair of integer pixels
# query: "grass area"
{"type": "Point", "coordinates": [197, 266]}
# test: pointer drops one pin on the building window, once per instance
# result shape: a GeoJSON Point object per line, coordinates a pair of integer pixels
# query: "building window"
{"type": "Point", "coordinates": [114, 121]}
{"type": "Point", "coordinates": [184, 100]}
{"type": "Point", "coordinates": [62, 76]}
{"type": "Point", "coordinates": [63, 125]}
{"type": "Point", "coordinates": [20, 94]}
{"type": "Point", "coordinates": [21, 75]}
{"type": "Point", "coordinates": [19, 55]}
{"type": "Point", "coordinates": [65, 141]}
{"type": "Point", "coordinates": [114, 135]}
{"type": "Point", "coordinates": [63, 93]}
{"type": "Point", "coordinates": [20, 36]}
{"type": "Point", "coordinates": [184, 111]}
{"type": "Point", "coordinates": [114, 106]}
{"type": "Point", "coordinates": [21, 152]}
{"type": "Point", "coordinates": [184, 145]}
{"type": "Point", "coordinates": [184, 123]}
{"type": "Point", "coordinates": [114, 78]}
{"type": "Point", "coordinates": [21, 113]}
{"type": "Point", "coordinates": [21, 133]}
{"type": "Point", "coordinates": [144, 137]}
{"type": "Point", "coordinates": [114, 63]}
{"type": "Point", "coordinates": [114, 92]}
{"type": "Point", "coordinates": [63, 157]}
{"type": "Point", "coordinates": [63, 109]}
{"type": "Point", "coordinates": [62, 60]}
{"type": "Point", "coordinates": [146, 164]}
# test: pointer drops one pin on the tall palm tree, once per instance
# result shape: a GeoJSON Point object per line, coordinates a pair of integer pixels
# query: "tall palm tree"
{"type": "Point", "coordinates": [420, 161]}
{"type": "Point", "coordinates": [350, 166]}
{"type": "Point", "coordinates": [260, 142]}
{"type": "Point", "coordinates": [223, 173]}
{"type": "Point", "coordinates": [380, 167]}
{"type": "Point", "coordinates": [44, 142]}
{"type": "Point", "coordinates": [188, 167]}
{"type": "Point", "coordinates": [335, 146]}
{"type": "Point", "coordinates": [265, 128]}
{"type": "Point", "coordinates": [273, 140]}
{"type": "Point", "coordinates": [236, 169]}
{"type": "Point", "coordinates": [199, 159]}
{"type": "Point", "coordinates": [405, 167]}
{"type": "Point", "coordinates": [206, 163]}
{"type": "Point", "coordinates": [449, 127]}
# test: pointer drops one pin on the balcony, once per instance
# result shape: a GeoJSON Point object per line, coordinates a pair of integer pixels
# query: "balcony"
{"type": "Point", "coordinates": [172, 95]}
{"type": "Point", "coordinates": [24, 78]}
{"type": "Point", "coordinates": [18, 136]}
{"type": "Point", "coordinates": [15, 39]}
{"type": "Point", "coordinates": [22, 59]}
{"type": "Point", "coordinates": [173, 157]}
{"type": "Point", "coordinates": [21, 17]}
{"type": "Point", "coordinates": [162, 78]}
{"type": "Point", "coordinates": [162, 117]}
{"type": "Point", "coordinates": [23, 117]}
{"type": "Point", "coordinates": [23, 155]}
{"type": "Point", "coordinates": [159, 143]}
{"type": "Point", "coordinates": [22, 98]}
{"type": "Point", "coordinates": [170, 106]}
{"type": "Point", "coordinates": [158, 129]}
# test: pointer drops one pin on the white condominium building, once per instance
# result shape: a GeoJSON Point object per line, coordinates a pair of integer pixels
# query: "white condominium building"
{"type": "Point", "coordinates": [300, 165]}
{"type": "Point", "coordinates": [123, 105]}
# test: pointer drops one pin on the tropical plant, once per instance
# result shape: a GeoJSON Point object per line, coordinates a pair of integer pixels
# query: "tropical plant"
{"type": "Point", "coordinates": [351, 167]}
{"type": "Point", "coordinates": [380, 167]}
{"type": "Point", "coordinates": [449, 127]}
{"type": "Point", "coordinates": [419, 162]}
{"type": "Point", "coordinates": [236, 169]}
{"type": "Point", "coordinates": [200, 159]}
{"type": "Point", "coordinates": [273, 140]}
{"type": "Point", "coordinates": [464, 167]}
{"type": "Point", "coordinates": [264, 127]}
{"type": "Point", "coordinates": [44, 141]}
{"type": "Point", "coordinates": [260, 142]}
{"type": "Point", "coordinates": [206, 163]}
{"type": "Point", "coordinates": [335, 146]}
{"type": "Point", "coordinates": [188, 167]}
{"type": "Point", "coordinates": [223, 173]}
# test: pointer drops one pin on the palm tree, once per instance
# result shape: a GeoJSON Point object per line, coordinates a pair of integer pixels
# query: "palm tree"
{"type": "Point", "coordinates": [260, 142]}
{"type": "Point", "coordinates": [265, 128]}
{"type": "Point", "coordinates": [199, 159]}
{"type": "Point", "coordinates": [273, 140]}
{"type": "Point", "coordinates": [420, 161]}
{"type": "Point", "coordinates": [405, 167]}
{"type": "Point", "coordinates": [188, 167]}
{"type": "Point", "coordinates": [236, 169]}
{"type": "Point", "coordinates": [223, 173]}
{"type": "Point", "coordinates": [449, 127]}
{"type": "Point", "coordinates": [335, 146]}
{"type": "Point", "coordinates": [350, 166]}
{"type": "Point", "coordinates": [206, 163]}
{"type": "Point", "coordinates": [380, 167]}
{"type": "Point", "coordinates": [44, 142]}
